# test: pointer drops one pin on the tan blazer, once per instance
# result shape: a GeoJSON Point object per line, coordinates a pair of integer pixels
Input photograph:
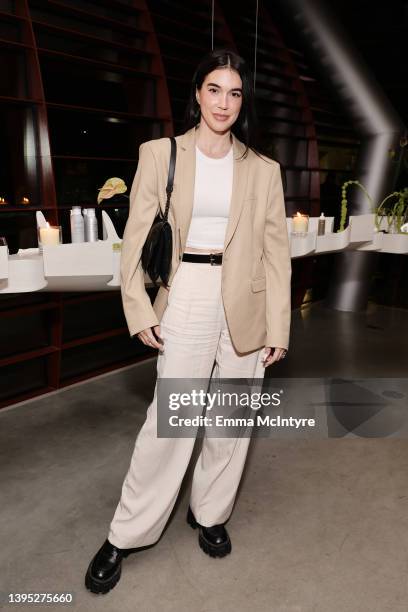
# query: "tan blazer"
{"type": "Point", "coordinates": [256, 269]}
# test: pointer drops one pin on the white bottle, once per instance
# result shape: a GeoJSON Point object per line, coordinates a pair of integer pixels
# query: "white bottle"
{"type": "Point", "coordinates": [77, 225]}
{"type": "Point", "coordinates": [91, 226]}
{"type": "Point", "coordinates": [321, 225]}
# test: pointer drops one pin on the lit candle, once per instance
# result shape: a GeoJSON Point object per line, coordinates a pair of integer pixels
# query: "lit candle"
{"type": "Point", "coordinates": [300, 223]}
{"type": "Point", "coordinates": [50, 235]}
{"type": "Point", "coordinates": [25, 200]}
{"type": "Point", "coordinates": [3, 201]}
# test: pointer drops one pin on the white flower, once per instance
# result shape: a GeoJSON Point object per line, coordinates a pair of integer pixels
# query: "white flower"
{"type": "Point", "coordinates": [112, 186]}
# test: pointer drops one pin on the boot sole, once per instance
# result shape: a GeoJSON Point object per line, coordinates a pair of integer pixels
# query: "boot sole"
{"type": "Point", "coordinates": [103, 586]}
{"type": "Point", "coordinates": [214, 550]}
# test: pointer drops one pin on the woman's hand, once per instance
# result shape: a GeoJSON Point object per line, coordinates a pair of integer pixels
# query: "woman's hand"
{"type": "Point", "coordinates": [148, 337]}
{"type": "Point", "coordinates": [273, 354]}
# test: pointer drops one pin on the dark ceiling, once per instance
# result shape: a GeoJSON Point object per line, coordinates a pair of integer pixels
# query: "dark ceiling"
{"type": "Point", "coordinates": [379, 31]}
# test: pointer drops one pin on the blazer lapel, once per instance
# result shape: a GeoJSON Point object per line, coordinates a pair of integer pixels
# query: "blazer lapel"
{"type": "Point", "coordinates": [187, 162]}
{"type": "Point", "coordinates": [187, 178]}
{"type": "Point", "coordinates": [239, 184]}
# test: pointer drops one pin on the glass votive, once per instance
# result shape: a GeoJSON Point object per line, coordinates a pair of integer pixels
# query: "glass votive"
{"type": "Point", "coordinates": [300, 224]}
{"type": "Point", "coordinates": [3, 242]}
{"type": "Point", "coordinates": [49, 235]}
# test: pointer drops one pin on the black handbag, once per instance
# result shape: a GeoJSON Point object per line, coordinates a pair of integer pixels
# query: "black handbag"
{"type": "Point", "coordinates": [158, 248]}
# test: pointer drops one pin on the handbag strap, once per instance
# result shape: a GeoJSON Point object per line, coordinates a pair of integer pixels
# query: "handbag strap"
{"type": "Point", "coordinates": [170, 179]}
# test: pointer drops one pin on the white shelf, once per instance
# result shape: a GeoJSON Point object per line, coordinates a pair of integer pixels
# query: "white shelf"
{"type": "Point", "coordinates": [301, 246]}
{"type": "Point", "coordinates": [4, 265]}
{"type": "Point", "coordinates": [25, 273]}
{"type": "Point", "coordinates": [360, 235]}
{"type": "Point", "coordinates": [83, 266]}
{"type": "Point", "coordinates": [362, 228]}
{"type": "Point", "coordinates": [374, 245]}
{"type": "Point", "coordinates": [337, 241]}
{"type": "Point", "coordinates": [395, 243]}
{"type": "Point", "coordinates": [78, 267]}
{"type": "Point", "coordinates": [95, 266]}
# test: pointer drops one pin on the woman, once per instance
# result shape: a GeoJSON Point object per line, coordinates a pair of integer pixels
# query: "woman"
{"type": "Point", "coordinates": [228, 301]}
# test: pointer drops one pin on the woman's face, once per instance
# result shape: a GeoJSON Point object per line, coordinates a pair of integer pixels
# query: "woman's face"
{"type": "Point", "coordinates": [220, 98]}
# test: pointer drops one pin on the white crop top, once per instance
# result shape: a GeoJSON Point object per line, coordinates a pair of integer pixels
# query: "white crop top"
{"type": "Point", "coordinates": [212, 199]}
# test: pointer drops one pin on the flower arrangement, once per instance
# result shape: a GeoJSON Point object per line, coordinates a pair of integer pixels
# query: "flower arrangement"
{"type": "Point", "coordinates": [397, 214]}
{"type": "Point", "coordinates": [343, 211]}
{"type": "Point", "coordinates": [112, 186]}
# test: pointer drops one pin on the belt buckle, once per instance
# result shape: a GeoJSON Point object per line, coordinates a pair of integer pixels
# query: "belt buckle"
{"type": "Point", "coordinates": [212, 260]}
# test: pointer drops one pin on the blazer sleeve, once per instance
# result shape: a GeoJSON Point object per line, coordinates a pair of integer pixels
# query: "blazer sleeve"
{"type": "Point", "coordinates": [278, 266]}
{"type": "Point", "coordinates": [143, 207]}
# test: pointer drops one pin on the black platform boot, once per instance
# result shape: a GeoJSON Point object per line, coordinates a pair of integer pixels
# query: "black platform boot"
{"type": "Point", "coordinates": [214, 540]}
{"type": "Point", "coordinates": [105, 568]}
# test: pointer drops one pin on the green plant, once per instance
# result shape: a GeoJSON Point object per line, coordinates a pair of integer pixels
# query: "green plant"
{"type": "Point", "coordinates": [344, 204]}
{"type": "Point", "coordinates": [396, 213]}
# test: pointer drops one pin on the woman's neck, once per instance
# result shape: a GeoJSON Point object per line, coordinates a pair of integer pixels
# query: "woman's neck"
{"type": "Point", "coordinates": [210, 143]}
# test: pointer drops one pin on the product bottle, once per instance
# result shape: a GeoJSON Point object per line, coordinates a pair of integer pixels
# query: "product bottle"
{"type": "Point", "coordinates": [77, 225]}
{"type": "Point", "coordinates": [321, 225]}
{"type": "Point", "coordinates": [91, 226]}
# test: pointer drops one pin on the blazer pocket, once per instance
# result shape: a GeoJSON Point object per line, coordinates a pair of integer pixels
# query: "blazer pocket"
{"type": "Point", "coordinates": [258, 284]}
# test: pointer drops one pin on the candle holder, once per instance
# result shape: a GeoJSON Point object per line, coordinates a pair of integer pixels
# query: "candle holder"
{"type": "Point", "coordinates": [3, 242]}
{"type": "Point", "coordinates": [300, 225]}
{"type": "Point", "coordinates": [49, 235]}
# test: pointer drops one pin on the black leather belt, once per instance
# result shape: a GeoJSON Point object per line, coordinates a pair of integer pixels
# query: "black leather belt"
{"type": "Point", "coordinates": [215, 259]}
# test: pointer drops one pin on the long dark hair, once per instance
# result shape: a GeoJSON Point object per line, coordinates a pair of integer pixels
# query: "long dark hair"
{"type": "Point", "coordinates": [246, 127]}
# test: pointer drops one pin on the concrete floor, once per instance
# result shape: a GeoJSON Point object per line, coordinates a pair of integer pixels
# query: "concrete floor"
{"type": "Point", "coordinates": [318, 526]}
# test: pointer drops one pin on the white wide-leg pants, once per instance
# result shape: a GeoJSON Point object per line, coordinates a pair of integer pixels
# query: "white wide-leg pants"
{"type": "Point", "coordinates": [195, 333]}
